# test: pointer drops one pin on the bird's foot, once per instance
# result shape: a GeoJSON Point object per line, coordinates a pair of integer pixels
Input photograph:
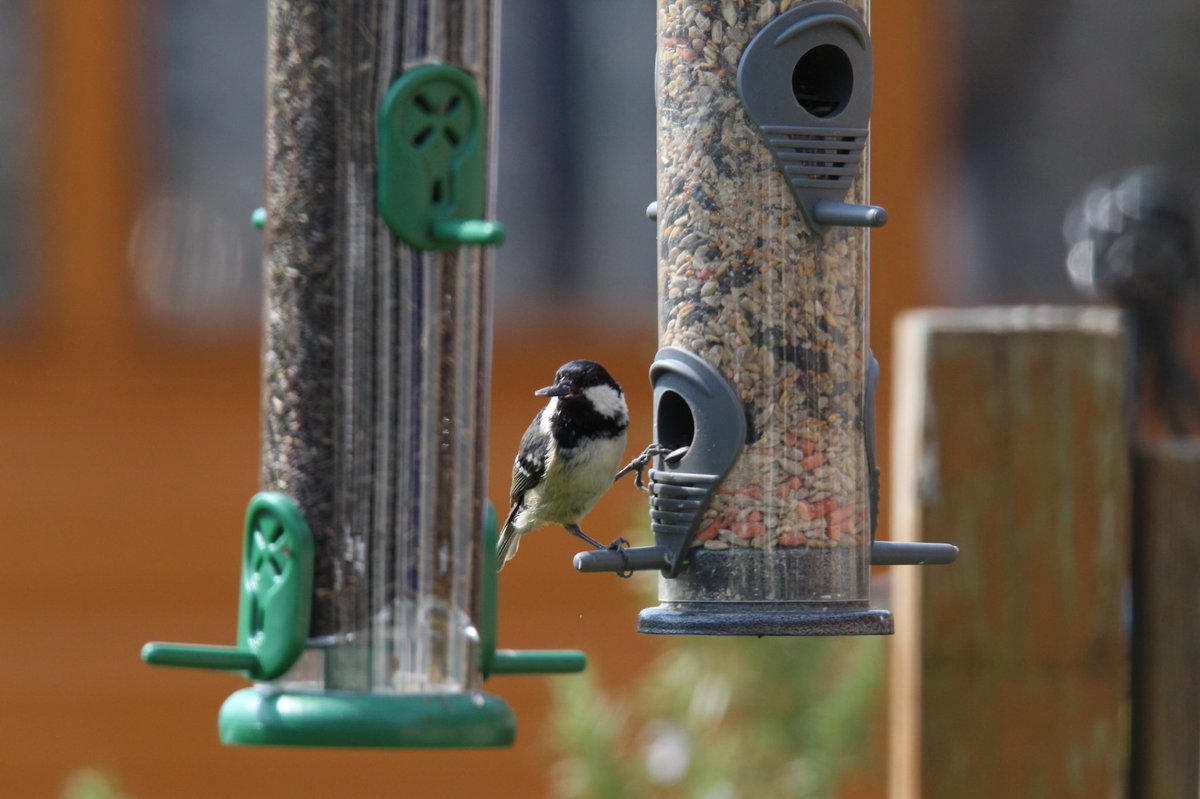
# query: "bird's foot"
{"type": "Point", "coordinates": [638, 465]}
{"type": "Point", "coordinates": [574, 530]}
{"type": "Point", "coordinates": [619, 546]}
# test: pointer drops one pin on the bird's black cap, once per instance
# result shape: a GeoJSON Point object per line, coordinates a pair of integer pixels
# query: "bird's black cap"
{"type": "Point", "coordinates": [576, 376]}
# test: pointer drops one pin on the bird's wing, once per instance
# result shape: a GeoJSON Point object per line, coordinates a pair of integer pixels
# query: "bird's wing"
{"type": "Point", "coordinates": [528, 469]}
{"type": "Point", "coordinates": [508, 542]}
{"type": "Point", "coordinates": [530, 464]}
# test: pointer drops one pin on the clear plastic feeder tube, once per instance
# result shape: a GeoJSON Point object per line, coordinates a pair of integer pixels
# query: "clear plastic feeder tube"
{"type": "Point", "coordinates": [377, 360]}
{"type": "Point", "coordinates": [779, 309]}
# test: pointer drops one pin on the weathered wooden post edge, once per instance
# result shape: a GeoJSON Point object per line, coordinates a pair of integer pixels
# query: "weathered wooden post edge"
{"type": "Point", "coordinates": [1010, 673]}
{"type": "Point", "coordinates": [1166, 614]}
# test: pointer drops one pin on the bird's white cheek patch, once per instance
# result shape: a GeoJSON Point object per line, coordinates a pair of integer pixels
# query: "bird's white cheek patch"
{"type": "Point", "coordinates": [548, 414]}
{"type": "Point", "coordinates": [607, 401]}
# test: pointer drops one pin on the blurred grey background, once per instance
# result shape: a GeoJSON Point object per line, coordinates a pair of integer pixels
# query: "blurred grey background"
{"type": "Point", "coordinates": [1053, 95]}
{"type": "Point", "coordinates": [1047, 96]}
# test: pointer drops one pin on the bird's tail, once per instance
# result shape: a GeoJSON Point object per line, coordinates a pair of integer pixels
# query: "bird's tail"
{"type": "Point", "coordinates": [507, 545]}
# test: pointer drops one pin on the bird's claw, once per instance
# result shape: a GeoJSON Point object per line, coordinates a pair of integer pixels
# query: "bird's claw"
{"type": "Point", "coordinates": [619, 546]}
{"type": "Point", "coordinates": [638, 465]}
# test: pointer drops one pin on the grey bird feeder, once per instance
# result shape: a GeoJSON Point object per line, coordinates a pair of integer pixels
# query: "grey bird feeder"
{"type": "Point", "coordinates": [764, 511]}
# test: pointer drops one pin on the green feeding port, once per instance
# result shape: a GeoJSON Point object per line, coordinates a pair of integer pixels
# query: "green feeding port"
{"type": "Point", "coordinates": [276, 598]}
{"type": "Point", "coordinates": [432, 160]}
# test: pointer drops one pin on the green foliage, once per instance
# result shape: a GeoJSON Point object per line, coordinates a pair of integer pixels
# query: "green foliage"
{"type": "Point", "coordinates": [723, 718]}
{"type": "Point", "coordinates": [91, 784]}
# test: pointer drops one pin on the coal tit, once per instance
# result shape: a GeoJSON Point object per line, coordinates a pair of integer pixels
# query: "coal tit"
{"type": "Point", "coordinates": [568, 457]}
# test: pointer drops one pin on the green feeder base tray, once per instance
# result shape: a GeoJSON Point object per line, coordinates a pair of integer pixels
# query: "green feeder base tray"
{"type": "Point", "coordinates": [264, 717]}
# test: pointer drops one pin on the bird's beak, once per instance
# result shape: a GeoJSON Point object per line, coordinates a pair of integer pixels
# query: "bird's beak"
{"type": "Point", "coordinates": [557, 390]}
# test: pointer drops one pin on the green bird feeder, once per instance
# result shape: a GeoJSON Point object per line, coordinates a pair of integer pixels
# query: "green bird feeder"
{"type": "Point", "coordinates": [368, 592]}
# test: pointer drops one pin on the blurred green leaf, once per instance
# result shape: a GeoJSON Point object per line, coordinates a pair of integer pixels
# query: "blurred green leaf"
{"type": "Point", "coordinates": [92, 784]}
{"type": "Point", "coordinates": [723, 718]}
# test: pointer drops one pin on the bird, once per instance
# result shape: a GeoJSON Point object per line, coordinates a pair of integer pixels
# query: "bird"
{"type": "Point", "coordinates": [568, 456]}
{"type": "Point", "coordinates": [1132, 242]}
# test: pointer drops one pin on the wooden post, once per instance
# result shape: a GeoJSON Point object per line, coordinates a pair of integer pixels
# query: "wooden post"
{"type": "Point", "coordinates": [1166, 652]}
{"type": "Point", "coordinates": [1010, 675]}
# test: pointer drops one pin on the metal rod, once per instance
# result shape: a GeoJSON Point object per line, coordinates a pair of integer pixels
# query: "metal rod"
{"type": "Point", "coordinates": [906, 553]}
{"type": "Point", "coordinates": [623, 560]}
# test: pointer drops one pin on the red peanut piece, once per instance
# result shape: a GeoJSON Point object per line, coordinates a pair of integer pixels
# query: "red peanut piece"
{"type": "Point", "coordinates": [812, 461]}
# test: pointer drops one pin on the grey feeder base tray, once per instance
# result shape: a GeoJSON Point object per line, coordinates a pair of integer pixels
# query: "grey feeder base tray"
{"type": "Point", "coordinates": [751, 618]}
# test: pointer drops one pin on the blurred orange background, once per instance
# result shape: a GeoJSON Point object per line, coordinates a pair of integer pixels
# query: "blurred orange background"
{"type": "Point", "coordinates": [128, 455]}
